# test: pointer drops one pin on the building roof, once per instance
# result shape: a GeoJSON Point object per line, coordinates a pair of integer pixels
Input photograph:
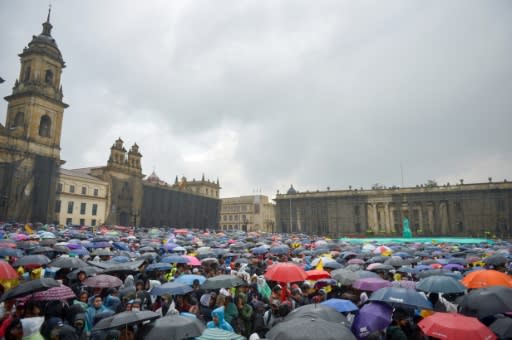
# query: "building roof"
{"type": "Point", "coordinates": [81, 173]}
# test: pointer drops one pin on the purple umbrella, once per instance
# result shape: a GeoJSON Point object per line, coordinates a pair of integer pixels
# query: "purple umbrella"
{"type": "Point", "coordinates": [452, 266]}
{"type": "Point", "coordinates": [370, 284]}
{"type": "Point", "coordinates": [371, 317]}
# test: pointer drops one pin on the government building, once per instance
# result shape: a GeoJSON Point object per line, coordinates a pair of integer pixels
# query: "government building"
{"type": "Point", "coordinates": [478, 209]}
{"type": "Point", "coordinates": [35, 188]}
{"type": "Point", "coordinates": [248, 213]}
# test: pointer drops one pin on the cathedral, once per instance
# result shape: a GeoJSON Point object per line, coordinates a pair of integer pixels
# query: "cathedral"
{"type": "Point", "coordinates": [34, 187]}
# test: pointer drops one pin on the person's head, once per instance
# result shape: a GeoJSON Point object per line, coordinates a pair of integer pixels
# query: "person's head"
{"type": "Point", "coordinates": [15, 330]}
{"type": "Point", "coordinates": [84, 296]}
{"type": "Point", "coordinates": [274, 306]}
{"type": "Point", "coordinates": [136, 305]}
{"type": "Point", "coordinates": [196, 284]}
{"type": "Point", "coordinates": [139, 285]}
{"type": "Point", "coordinates": [81, 276]}
{"type": "Point", "coordinates": [97, 302]}
{"type": "Point", "coordinates": [277, 289]}
{"type": "Point", "coordinates": [220, 301]}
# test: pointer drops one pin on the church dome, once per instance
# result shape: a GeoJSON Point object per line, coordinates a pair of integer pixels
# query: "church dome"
{"type": "Point", "coordinates": [291, 191]}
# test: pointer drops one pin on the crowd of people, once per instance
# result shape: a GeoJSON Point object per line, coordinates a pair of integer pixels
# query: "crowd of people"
{"type": "Point", "coordinates": [78, 284]}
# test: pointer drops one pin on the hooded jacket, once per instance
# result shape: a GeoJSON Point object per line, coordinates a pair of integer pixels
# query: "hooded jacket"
{"type": "Point", "coordinates": [81, 333]}
{"type": "Point", "coordinates": [31, 328]}
{"type": "Point", "coordinates": [223, 324]}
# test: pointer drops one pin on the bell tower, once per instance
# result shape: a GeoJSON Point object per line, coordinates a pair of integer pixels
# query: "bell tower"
{"type": "Point", "coordinates": [35, 108]}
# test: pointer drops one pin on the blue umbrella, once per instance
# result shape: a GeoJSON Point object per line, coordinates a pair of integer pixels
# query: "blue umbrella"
{"type": "Point", "coordinates": [372, 317]}
{"type": "Point", "coordinates": [188, 279]}
{"type": "Point", "coordinates": [172, 288]}
{"type": "Point", "coordinates": [279, 250]}
{"type": "Point", "coordinates": [401, 297]}
{"type": "Point", "coordinates": [340, 305]}
{"type": "Point", "coordinates": [174, 259]}
{"type": "Point", "coordinates": [159, 266]}
{"type": "Point", "coordinates": [259, 250]}
{"type": "Point", "coordinates": [121, 246]}
{"type": "Point", "coordinates": [11, 252]}
{"type": "Point", "coordinates": [121, 259]}
{"type": "Point", "coordinates": [79, 251]}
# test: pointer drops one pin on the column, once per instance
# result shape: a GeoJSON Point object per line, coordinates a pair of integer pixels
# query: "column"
{"type": "Point", "coordinates": [387, 225]}
{"type": "Point", "coordinates": [392, 219]}
{"type": "Point", "coordinates": [375, 219]}
{"type": "Point", "coordinates": [420, 215]}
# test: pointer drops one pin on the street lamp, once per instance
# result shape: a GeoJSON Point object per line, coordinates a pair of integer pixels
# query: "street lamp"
{"type": "Point", "coordinates": [135, 214]}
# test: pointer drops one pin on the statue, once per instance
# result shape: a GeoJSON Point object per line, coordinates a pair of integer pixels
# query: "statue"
{"type": "Point", "coordinates": [406, 233]}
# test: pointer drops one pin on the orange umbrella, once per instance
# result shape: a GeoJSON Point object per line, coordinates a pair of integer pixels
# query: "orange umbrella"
{"type": "Point", "coordinates": [487, 278]}
{"type": "Point", "coordinates": [317, 274]}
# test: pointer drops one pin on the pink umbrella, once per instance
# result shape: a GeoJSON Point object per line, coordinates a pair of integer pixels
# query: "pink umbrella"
{"type": "Point", "coordinates": [370, 284]}
{"type": "Point", "coordinates": [53, 294]}
{"type": "Point", "coordinates": [103, 281]}
{"type": "Point", "coordinates": [371, 266]}
{"type": "Point", "coordinates": [192, 260]}
{"type": "Point", "coordinates": [355, 261]}
{"type": "Point", "coordinates": [21, 237]}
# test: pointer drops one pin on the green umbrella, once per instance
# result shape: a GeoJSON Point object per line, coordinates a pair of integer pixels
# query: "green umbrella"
{"type": "Point", "coordinates": [219, 334]}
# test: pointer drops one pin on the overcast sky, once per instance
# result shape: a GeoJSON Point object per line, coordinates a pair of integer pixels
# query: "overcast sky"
{"type": "Point", "coordinates": [263, 94]}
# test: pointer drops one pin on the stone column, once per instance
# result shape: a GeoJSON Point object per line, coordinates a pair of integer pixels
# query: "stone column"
{"type": "Point", "coordinates": [375, 219]}
{"type": "Point", "coordinates": [387, 220]}
{"type": "Point", "coordinates": [420, 215]}
{"type": "Point", "coordinates": [392, 219]}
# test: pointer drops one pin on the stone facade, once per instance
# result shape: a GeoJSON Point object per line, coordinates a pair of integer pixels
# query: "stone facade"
{"type": "Point", "coordinates": [249, 213]}
{"type": "Point", "coordinates": [201, 187]}
{"type": "Point", "coordinates": [30, 140]}
{"type": "Point", "coordinates": [477, 209]}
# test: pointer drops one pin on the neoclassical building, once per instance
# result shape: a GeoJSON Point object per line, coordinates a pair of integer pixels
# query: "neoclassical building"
{"type": "Point", "coordinates": [462, 209]}
{"type": "Point", "coordinates": [248, 213]}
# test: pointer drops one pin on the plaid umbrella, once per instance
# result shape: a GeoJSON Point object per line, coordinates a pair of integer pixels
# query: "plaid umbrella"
{"type": "Point", "coordinates": [29, 288]}
{"type": "Point", "coordinates": [7, 272]}
{"type": "Point", "coordinates": [103, 281]}
{"type": "Point", "coordinates": [53, 294]}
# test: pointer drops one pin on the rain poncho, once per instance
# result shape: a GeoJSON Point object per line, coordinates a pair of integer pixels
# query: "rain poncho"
{"type": "Point", "coordinates": [222, 324]}
{"type": "Point", "coordinates": [31, 328]}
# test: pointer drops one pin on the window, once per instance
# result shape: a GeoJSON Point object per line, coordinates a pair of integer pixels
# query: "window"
{"type": "Point", "coordinates": [84, 191]}
{"type": "Point", "coordinates": [95, 192]}
{"type": "Point", "coordinates": [357, 210]}
{"type": "Point", "coordinates": [93, 223]}
{"type": "Point", "coordinates": [358, 227]}
{"type": "Point", "coordinates": [82, 221]}
{"type": "Point", "coordinates": [70, 207]}
{"type": "Point", "coordinates": [94, 209]}
{"type": "Point", "coordinates": [225, 218]}
{"type": "Point", "coordinates": [26, 76]}
{"type": "Point", "coordinates": [59, 187]}
{"type": "Point", "coordinates": [230, 218]}
{"type": "Point", "coordinates": [72, 189]}
{"type": "Point", "coordinates": [83, 207]}
{"type": "Point", "coordinates": [45, 125]}
{"type": "Point", "coordinates": [57, 206]}
{"type": "Point", "coordinates": [236, 217]}
{"type": "Point", "coordinates": [48, 77]}
{"type": "Point", "coordinates": [69, 221]}
{"type": "Point", "coordinates": [18, 120]}
{"type": "Point", "coordinates": [500, 205]}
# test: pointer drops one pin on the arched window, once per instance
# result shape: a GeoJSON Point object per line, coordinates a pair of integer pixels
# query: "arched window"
{"type": "Point", "coordinates": [48, 77]}
{"type": "Point", "coordinates": [45, 126]}
{"type": "Point", "coordinates": [18, 119]}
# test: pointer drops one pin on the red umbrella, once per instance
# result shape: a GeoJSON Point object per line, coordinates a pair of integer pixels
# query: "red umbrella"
{"type": "Point", "coordinates": [7, 272]}
{"type": "Point", "coordinates": [53, 294]}
{"type": "Point", "coordinates": [285, 272]}
{"type": "Point", "coordinates": [316, 274]}
{"type": "Point", "coordinates": [103, 281]}
{"type": "Point", "coordinates": [455, 326]}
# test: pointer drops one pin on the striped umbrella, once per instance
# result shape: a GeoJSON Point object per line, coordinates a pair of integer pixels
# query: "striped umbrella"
{"type": "Point", "coordinates": [53, 294]}
{"type": "Point", "coordinates": [7, 272]}
{"type": "Point", "coordinates": [219, 334]}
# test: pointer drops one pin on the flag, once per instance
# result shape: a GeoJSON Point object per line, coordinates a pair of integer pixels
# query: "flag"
{"type": "Point", "coordinates": [320, 265]}
{"type": "Point", "coordinates": [28, 229]}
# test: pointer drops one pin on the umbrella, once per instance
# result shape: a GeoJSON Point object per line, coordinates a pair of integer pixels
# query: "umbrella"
{"type": "Point", "coordinates": [68, 262]}
{"type": "Point", "coordinates": [103, 281]}
{"type": "Point", "coordinates": [332, 265]}
{"type": "Point", "coordinates": [316, 311]}
{"type": "Point", "coordinates": [502, 327]}
{"type": "Point", "coordinates": [317, 274]}
{"type": "Point", "coordinates": [344, 277]}
{"type": "Point", "coordinates": [485, 302]}
{"type": "Point", "coordinates": [370, 284]}
{"type": "Point", "coordinates": [188, 279]}
{"type": "Point", "coordinates": [404, 284]}
{"type": "Point", "coordinates": [280, 250]}
{"type": "Point", "coordinates": [222, 281]}
{"type": "Point", "coordinates": [30, 287]}
{"type": "Point", "coordinates": [340, 305]}
{"type": "Point", "coordinates": [174, 259]}
{"type": "Point", "coordinates": [372, 317]}
{"type": "Point", "coordinates": [431, 272]}
{"type": "Point", "coordinates": [309, 328]}
{"type": "Point", "coordinates": [487, 278]}
{"type": "Point", "coordinates": [54, 294]}
{"type": "Point", "coordinates": [209, 260]}
{"type": "Point", "coordinates": [89, 271]}
{"type": "Point", "coordinates": [401, 297]}
{"type": "Point", "coordinates": [440, 284]}
{"type": "Point", "coordinates": [7, 272]}
{"type": "Point", "coordinates": [10, 252]}
{"type": "Point", "coordinates": [125, 318]}
{"type": "Point", "coordinates": [454, 326]}
{"type": "Point", "coordinates": [32, 260]}
{"type": "Point", "coordinates": [285, 272]}
{"type": "Point", "coordinates": [172, 288]}
{"type": "Point", "coordinates": [379, 266]}
{"type": "Point", "coordinates": [158, 266]}
{"type": "Point", "coordinates": [175, 327]}
{"type": "Point", "coordinates": [496, 260]}
{"type": "Point", "coordinates": [192, 260]}
{"type": "Point", "coordinates": [259, 250]}
{"type": "Point", "coordinates": [219, 334]}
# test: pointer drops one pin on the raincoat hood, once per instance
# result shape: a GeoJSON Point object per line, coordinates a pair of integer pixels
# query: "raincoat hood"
{"type": "Point", "coordinates": [219, 313]}
{"type": "Point", "coordinates": [31, 327]}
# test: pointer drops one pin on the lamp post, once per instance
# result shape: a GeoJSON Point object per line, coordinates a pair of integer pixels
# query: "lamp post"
{"type": "Point", "coordinates": [135, 214]}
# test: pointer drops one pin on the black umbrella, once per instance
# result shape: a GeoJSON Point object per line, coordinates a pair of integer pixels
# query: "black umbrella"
{"type": "Point", "coordinates": [309, 328]}
{"type": "Point", "coordinates": [440, 284]}
{"type": "Point", "coordinates": [68, 262]}
{"type": "Point", "coordinates": [502, 327]}
{"type": "Point", "coordinates": [89, 271]}
{"type": "Point", "coordinates": [484, 302]}
{"type": "Point", "coordinates": [41, 250]}
{"type": "Point", "coordinates": [29, 260]}
{"type": "Point", "coordinates": [317, 311]}
{"type": "Point", "coordinates": [222, 281]}
{"type": "Point", "coordinates": [496, 260]}
{"type": "Point", "coordinates": [29, 288]}
{"type": "Point", "coordinates": [401, 297]}
{"type": "Point", "coordinates": [174, 327]}
{"type": "Point", "coordinates": [124, 319]}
